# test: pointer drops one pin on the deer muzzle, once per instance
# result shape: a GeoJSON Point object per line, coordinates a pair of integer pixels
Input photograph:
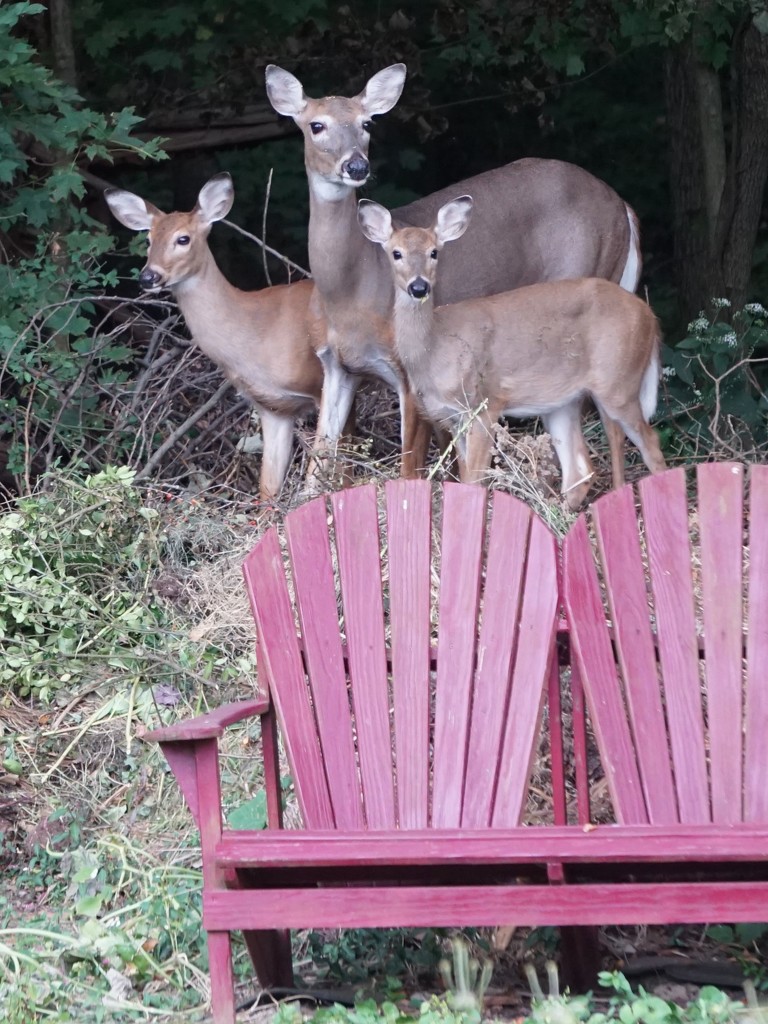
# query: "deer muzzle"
{"type": "Point", "coordinates": [418, 288]}
{"type": "Point", "coordinates": [356, 167]}
{"type": "Point", "coordinates": [150, 280]}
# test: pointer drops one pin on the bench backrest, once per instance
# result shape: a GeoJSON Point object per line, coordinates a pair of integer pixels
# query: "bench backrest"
{"type": "Point", "coordinates": [668, 617]}
{"type": "Point", "coordinates": [406, 634]}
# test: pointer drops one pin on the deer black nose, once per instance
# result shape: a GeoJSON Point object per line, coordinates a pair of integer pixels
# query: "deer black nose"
{"type": "Point", "coordinates": [149, 279]}
{"type": "Point", "coordinates": [418, 288]}
{"type": "Point", "coordinates": [357, 167]}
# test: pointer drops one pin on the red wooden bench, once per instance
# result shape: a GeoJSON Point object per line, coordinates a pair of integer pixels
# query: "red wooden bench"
{"type": "Point", "coordinates": [408, 639]}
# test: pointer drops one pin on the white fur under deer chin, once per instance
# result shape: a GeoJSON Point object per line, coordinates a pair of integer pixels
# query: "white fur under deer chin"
{"type": "Point", "coordinates": [331, 191]}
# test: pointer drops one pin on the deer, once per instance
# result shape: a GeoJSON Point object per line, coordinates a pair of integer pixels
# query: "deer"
{"type": "Point", "coordinates": [535, 220]}
{"type": "Point", "coordinates": [261, 340]}
{"type": "Point", "coordinates": [538, 350]}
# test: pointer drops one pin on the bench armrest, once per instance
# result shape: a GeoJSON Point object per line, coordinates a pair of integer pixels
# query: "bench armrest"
{"type": "Point", "coordinates": [191, 749]}
{"type": "Point", "coordinates": [209, 726]}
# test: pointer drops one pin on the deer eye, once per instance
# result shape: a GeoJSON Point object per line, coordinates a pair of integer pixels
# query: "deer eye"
{"type": "Point", "coordinates": [368, 126]}
{"type": "Point", "coordinates": [433, 254]}
{"type": "Point", "coordinates": [183, 240]}
{"type": "Point", "coordinates": [316, 127]}
{"type": "Point", "coordinates": [396, 254]}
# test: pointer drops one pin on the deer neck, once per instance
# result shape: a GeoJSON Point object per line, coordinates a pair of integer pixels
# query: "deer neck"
{"type": "Point", "coordinates": [206, 301]}
{"type": "Point", "coordinates": [414, 335]}
{"type": "Point", "coordinates": [346, 267]}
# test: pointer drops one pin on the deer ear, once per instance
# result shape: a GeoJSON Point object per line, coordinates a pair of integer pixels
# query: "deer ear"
{"type": "Point", "coordinates": [131, 210]}
{"type": "Point", "coordinates": [383, 91]}
{"type": "Point", "coordinates": [453, 219]}
{"type": "Point", "coordinates": [216, 198]}
{"type": "Point", "coordinates": [284, 91]}
{"type": "Point", "coordinates": [375, 221]}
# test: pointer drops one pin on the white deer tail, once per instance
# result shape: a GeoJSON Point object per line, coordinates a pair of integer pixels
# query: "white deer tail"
{"type": "Point", "coordinates": [634, 265]}
{"type": "Point", "coordinates": [649, 386]}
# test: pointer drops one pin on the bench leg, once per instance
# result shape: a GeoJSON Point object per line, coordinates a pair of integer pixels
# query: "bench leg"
{"type": "Point", "coordinates": [580, 958]}
{"type": "Point", "coordinates": [270, 952]}
{"type": "Point", "coordinates": [222, 977]}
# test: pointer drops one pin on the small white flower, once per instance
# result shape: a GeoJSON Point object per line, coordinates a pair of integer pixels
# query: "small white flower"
{"type": "Point", "coordinates": [756, 309]}
{"type": "Point", "coordinates": [668, 371]}
{"type": "Point", "coordinates": [721, 303]}
{"type": "Point", "coordinates": [731, 339]}
{"type": "Point", "coordinates": [698, 325]}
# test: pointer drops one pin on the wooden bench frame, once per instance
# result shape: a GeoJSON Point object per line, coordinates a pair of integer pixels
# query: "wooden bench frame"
{"type": "Point", "coordinates": [683, 849]}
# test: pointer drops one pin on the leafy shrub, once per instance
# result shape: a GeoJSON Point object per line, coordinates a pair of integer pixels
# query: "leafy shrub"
{"type": "Point", "coordinates": [716, 379]}
{"type": "Point", "coordinates": [78, 562]}
{"type": "Point", "coordinates": [711, 1006]}
{"type": "Point", "coordinates": [359, 954]}
{"type": "Point", "coordinates": [127, 929]}
{"type": "Point", "coordinates": [71, 558]}
{"type": "Point", "coordinates": [56, 355]}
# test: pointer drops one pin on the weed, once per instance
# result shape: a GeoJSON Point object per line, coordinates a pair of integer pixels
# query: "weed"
{"type": "Point", "coordinates": [715, 386]}
{"type": "Point", "coordinates": [364, 954]}
{"type": "Point", "coordinates": [467, 982]}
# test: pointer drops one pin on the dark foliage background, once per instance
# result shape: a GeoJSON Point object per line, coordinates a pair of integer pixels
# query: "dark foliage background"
{"type": "Point", "coordinates": [666, 100]}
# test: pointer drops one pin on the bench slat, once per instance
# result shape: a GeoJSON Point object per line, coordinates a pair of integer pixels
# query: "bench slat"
{"type": "Point", "coordinates": [507, 539]}
{"type": "Point", "coordinates": [756, 710]}
{"type": "Point", "coordinates": [624, 576]}
{"type": "Point", "coordinates": [309, 547]}
{"type": "Point", "coordinates": [460, 567]}
{"type": "Point", "coordinates": [535, 844]}
{"type": "Point", "coordinates": [720, 499]}
{"type": "Point", "coordinates": [271, 605]}
{"type": "Point", "coordinates": [535, 649]}
{"type": "Point", "coordinates": [665, 511]}
{"type": "Point", "coordinates": [591, 646]}
{"type": "Point", "coordinates": [419, 907]}
{"type": "Point", "coordinates": [357, 544]}
{"type": "Point", "coordinates": [409, 540]}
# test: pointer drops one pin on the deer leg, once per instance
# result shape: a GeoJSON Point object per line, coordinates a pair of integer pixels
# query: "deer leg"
{"type": "Point", "coordinates": [277, 433]}
{"type": "Point", "coordinates": [336, 402]}
{"type": "Point", "coordinates": [615, 435]}
{"type": "Point", "coordinates": [641, 433]}
{"type": "Point", "coordinates": [415, 433]}
{"type": "Point", "coordinates": [564, 427]}
{"type": "Point", "coordinates": [478, 449]}
{"type": "Point", "coordinates": [351, 422]}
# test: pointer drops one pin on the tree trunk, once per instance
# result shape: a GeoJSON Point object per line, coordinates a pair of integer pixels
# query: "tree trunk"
{"type": "Point", "coordinates": [717, 178]}
{"type": "Point", "coordinates": [62, 41]}
{"type": "Point", "coordinates": [749, 163]}
{"type": "Point", "coordinates": [697, 272]}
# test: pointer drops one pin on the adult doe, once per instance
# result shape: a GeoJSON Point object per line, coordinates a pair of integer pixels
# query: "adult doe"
{"type": "Point", "coordinates": [260, 340]}
{"type": "Point", "coordinates": [535, 351]}
{"type": "Point", "coordinates": [536, 220]}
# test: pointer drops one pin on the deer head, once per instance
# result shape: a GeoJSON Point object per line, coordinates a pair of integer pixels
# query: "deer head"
{"type": "Point", "coordinates": [336, 129]}
{"type": "Point", "coordinates": [413, 252]}
{"type": "Point", "coordinates": [178, 248]}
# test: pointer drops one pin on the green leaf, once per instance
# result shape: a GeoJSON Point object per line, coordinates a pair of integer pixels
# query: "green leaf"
{"type": "Point", "coordinates": [751, 931]}
{"type": "Point", "coordinates": [89, 906]}
{"type": "Point", "coordinates": [721, 933]}
{"type": "Point", "coordinates": [250, 815]}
